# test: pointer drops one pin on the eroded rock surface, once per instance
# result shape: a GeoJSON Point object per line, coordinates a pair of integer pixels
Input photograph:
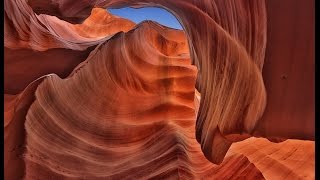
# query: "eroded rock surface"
{"type": "Point", "coordinates": [121, 102]}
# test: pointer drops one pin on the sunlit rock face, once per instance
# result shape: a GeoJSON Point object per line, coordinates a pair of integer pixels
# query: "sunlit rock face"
{"type": "Point", "coordinates": [89, 95]}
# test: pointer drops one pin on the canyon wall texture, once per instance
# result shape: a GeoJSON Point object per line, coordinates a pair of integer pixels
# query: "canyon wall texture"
{"type": "Point", "coordinates": [94, 96]}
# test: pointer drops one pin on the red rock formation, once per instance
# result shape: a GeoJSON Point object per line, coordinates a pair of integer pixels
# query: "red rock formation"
{"type": "Point", "coordinates": [291, 159]}
{"type": "Point", "coordinates": [238, 58]}
{"type": "Point", "coordinates": [288, 71]}
{"type": "Point", "coordinates": [145, 119]}
{"type": "Point", "coordinates": [129, 109]}
{"type": "Point", "coordinates": [101, 24]}
{"type": "Point", "coordinates": [59, 58]}
{"type": "Point", "coordinates": [15, 111]}
{"type": "Point", "coordinates": [238, 28]}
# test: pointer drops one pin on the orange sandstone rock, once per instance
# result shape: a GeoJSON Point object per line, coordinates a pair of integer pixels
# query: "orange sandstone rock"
{"type": "Point", "coordinates": [124, 103]}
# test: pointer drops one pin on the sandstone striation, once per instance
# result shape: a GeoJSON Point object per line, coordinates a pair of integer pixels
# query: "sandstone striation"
{"type": "Point", "coordinates": [237, 27]}
{"type": "Point", "coordinates": [94, 96]}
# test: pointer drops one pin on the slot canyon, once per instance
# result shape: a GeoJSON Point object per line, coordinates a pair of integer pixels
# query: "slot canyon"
{"type": "Point", "coordinates": [91, 95]}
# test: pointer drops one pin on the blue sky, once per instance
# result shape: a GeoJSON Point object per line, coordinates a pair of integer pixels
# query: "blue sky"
{"type": "Point", "coordinates": [159, 15]}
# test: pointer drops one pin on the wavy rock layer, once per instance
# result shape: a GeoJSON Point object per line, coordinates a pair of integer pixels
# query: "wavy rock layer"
{"type": "Point", "coordinates": [95, 124]}
{"type": "Point", "coordinates": [129, 109]}
{"type": "Point", "coordinates": [24, 64]}
{"type": "Point", "coordinates": [229, 51]}
{"type": "Point", "coordinates": [15, 111]}
{"type": "Point", "coordinates": [291, 159]}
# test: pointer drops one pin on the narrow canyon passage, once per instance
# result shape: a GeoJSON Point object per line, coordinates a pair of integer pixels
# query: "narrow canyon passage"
{"type": "Point", "coordinates": [95, 96]}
